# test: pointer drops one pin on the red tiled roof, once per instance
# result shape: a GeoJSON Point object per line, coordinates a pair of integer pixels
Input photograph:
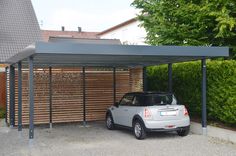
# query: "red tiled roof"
{"type": "Point", "coordinates": [71, 34]}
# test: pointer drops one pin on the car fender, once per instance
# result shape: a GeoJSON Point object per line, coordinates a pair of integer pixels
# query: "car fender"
{"type": "Point", "coordinates": [138, 117]}
{"type": "Point", "coordinates": [109, 112]}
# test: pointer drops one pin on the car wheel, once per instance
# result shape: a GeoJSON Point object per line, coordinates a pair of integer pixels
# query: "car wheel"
{"type": "Point", "coordinates": [183, 131]}
{"type": "Point", "coordinates": [109, 122]}
{"type": "Point", "coordinates": [139, 131]}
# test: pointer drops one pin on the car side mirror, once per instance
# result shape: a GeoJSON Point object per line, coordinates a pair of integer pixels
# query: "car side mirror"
{"type": "Point", "coordinates": [116, 104]}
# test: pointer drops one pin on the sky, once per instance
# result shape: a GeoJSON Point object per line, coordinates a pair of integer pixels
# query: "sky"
{"type": "Point", "coordinates": [91, 15]}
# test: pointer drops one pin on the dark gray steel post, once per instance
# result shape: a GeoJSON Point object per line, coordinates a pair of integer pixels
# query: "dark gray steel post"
{"type": "Point", "coordinates": [204, 112]}
{"type": "Point", "coordinates": [84, 97]}
{"type": "Point", "coordinates": [144, 79]}
{"type": "Point", "coordinates": [170, 77]}
{"type": "Point", "coordinates": [19, 96]}
{"type": "Point", "coordinates": [114, 85]}
{"type": "Point", "coordinates": [12, 96]}
{"type": "Point", "coordinates": [6, 69]}
{"type": "Point", "coordinates": [31, 98]}
{"type": "Point", "coordinates": [50, 97]}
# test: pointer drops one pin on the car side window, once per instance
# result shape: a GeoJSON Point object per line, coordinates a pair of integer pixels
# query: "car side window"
{"type": "Point", "coordinates": [138, 100]}
{"type": "Point", "coordinates": [126, 100]}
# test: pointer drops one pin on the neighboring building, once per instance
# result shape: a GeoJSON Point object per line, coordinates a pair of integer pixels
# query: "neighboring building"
{"type": "Point", "coordinates": [18, 27]}
{"type": "Point", "coordinates": [68, 34]}
{"type": "Point", "coordinates": [129, 32]}
{"type": "Point", "coordinates": [84, 40]}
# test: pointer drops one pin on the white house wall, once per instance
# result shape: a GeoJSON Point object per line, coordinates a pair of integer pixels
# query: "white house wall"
{"type": "Point", "coordinates": [131, 34]}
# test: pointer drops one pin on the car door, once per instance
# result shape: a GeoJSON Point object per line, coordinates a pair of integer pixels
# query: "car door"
{"type": "Point", "coordinates": [120, 112]}
{"type": "Point", "coordinates": [130, 111]}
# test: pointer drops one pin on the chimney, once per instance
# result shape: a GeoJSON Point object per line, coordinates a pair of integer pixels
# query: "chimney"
{"type": "Point", "coordinates": [62, 28]}
{"type": "Point", "coordinates": [79, 29]}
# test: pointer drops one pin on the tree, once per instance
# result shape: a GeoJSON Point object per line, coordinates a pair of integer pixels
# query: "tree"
{"type": "Point", "coordinates": [189, 22]}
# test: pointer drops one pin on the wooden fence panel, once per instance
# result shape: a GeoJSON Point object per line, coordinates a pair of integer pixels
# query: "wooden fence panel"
{"type": "Point", "coordinates": [67, 97]}
{"type": "Point", "coordinates": [67, 93]}
{"type": "Point", "coordinates": [2, 90]}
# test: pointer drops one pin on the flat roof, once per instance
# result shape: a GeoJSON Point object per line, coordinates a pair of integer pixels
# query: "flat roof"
{"type": "Point", "coordinates": [81, 54]}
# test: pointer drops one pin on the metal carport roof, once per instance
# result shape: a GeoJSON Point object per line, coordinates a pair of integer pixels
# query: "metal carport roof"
{"type": "Point", "coordinates": [81, 54]}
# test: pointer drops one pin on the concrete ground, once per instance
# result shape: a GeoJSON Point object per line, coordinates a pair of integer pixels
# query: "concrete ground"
{"type": "Point", "coordinates": [95, 139]}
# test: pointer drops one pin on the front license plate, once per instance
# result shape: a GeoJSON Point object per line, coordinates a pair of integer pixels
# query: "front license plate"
{"type": "Point", "coordinates": [169, 113]}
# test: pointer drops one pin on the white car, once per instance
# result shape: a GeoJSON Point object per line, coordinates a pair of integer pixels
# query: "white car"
{"type": "Point", "coordinates": [147, 112]}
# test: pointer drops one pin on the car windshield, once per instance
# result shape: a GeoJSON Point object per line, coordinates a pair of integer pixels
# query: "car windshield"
{"type": "Point", "coordinates": [160, 99]}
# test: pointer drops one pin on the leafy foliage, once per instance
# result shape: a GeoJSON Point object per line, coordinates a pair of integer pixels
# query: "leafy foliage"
{"type": "Point", "coordinates": [2, 113]}
{"type": "Point", "coordinates": [221, 87]}
{"type": "Point", "coordinates": [184, 22]}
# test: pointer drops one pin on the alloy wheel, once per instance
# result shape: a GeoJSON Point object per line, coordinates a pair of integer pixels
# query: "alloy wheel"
{"type": "Point", "coordinates": [137, 129]}
{"type": "Point", "coordinates": [109, 122]}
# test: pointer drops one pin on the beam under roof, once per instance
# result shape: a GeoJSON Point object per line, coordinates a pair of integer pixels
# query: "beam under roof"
{"type": "Point", "coordinates": [78, 54]}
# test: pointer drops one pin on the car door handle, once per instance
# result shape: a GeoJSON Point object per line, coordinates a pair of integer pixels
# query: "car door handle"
{"type": "Point", "coordinates": [126, 110]}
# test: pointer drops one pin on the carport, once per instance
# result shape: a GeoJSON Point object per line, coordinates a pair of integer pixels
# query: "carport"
{"type": "Point", "coordinates": [69, 54]}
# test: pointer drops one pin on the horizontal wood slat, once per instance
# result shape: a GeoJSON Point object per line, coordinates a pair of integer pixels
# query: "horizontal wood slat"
{"type": "Point", "coordinates": [67, 93]}
{"type": "Point", "coordinates": [3, 90]}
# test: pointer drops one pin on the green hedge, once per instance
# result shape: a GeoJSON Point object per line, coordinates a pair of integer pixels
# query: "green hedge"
{"type": "Point", "coordinates": [2, 113]}
{"type": "Point", "coordinates": [221, 87]}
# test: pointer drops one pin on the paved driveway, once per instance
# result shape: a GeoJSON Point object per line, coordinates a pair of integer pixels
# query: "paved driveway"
{"type": "Point", "coordinates": [73, 139]}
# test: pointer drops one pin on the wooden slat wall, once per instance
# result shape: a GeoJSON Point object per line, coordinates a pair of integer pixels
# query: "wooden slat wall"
{"type": "Point", "coordinates": [41, 97]}
{"type": "Point", "coordinates": [99, 93]}
{"type": "Point", "coordinates": [67, 95]}
{"type": "Point", "coordinates": [67, 89]}
{"type": "Point", "coordinates": [136, 79]}
{"type": "Point", "coordinates": [2, 90]}
{"type": "Point", "coordinates": [122, 84]}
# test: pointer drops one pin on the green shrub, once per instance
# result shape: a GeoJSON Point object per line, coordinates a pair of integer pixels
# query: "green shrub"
{"type": "Point", "coordinates": [2, 113]}
{"type": "Point", "coordinates": [221, 87]}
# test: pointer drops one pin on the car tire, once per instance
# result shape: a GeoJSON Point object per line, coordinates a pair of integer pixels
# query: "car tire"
{"type": "Point", "coordinates": [109, 122]}
{"type": "Point", "coordinates": [183, 131]}
{"type": "Point", "coordinates": [138, 129]}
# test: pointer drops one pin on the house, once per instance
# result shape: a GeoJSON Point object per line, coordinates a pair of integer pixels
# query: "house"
{"type": "Point", "coordinates": [18, 28]}
{"type": "Point", "coordinates": [46, 34]}
{"type": "Point", "coordinates": [129, 32]}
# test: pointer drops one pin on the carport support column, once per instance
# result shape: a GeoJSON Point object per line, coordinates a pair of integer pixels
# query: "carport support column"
{"type": "Point", "coordinates": [84, 97]}
{"type": "Point", "coordinates": [204, 112]}
{"type": "Point", "coordinates": [144, 78]}
{"type": "Point", "coordinates": [19, 96]}
{"type": "Point", "coordinates": [31, 98]}
{"type": "Point", "coordinates": [114, 85]}
{"type": "Point", "coordinates": [170, 77]}
{"type": "Point", "coordinates": [12, 96]}
{"type": "Point", "coordinates": [50, 97]}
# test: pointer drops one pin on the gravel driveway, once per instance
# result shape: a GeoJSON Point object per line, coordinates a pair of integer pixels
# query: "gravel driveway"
{"type": "Point", "coordinates": [73, 139]}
